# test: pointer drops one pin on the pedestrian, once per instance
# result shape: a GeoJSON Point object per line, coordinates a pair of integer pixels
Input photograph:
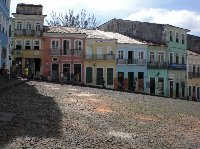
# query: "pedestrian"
{"type": "Point", "coordinates": [61, 77]}
{"type": "Point", "coordinates": [103, 83]}
{"type": "Point", "coordinates": [26, 72]}
{"type": "Point", "coordinates": [48, 76]}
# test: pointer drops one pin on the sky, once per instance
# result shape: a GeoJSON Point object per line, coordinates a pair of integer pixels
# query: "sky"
{"type": "Point", "coordinates": [180, 13]}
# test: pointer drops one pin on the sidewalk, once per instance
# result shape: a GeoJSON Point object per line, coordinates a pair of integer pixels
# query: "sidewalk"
{"type": "Point", "coordinates": [6, 84]}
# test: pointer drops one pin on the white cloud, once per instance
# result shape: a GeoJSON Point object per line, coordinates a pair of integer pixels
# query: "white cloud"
{"type": "Point", "coordinates": [181, 18]}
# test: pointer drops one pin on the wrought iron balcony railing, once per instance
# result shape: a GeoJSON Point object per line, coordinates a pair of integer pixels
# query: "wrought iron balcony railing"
{"type": "Point", "coordinates": [157, 65]}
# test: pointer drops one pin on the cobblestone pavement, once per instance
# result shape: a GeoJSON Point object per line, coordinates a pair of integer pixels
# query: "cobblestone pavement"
{"type": "Point", "coordinates": [46, 115]}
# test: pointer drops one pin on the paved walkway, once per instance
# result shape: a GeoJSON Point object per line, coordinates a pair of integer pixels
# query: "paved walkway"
{"type": "Point", "coordinates": [6, 83]}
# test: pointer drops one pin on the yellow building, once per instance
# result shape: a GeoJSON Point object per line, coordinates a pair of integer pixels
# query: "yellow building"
{"type": "Point", "coordinates": [193, 81]}
{"type": "Point", "coordinates": [100, 63]}
{"type": "Point", "coordinates": [28, 25]}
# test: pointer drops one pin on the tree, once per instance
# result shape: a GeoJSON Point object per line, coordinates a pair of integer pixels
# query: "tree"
{"type": "Point", "coordinates": [73, 20]}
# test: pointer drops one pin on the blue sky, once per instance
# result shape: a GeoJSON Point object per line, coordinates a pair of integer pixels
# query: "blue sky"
{"type": "Point", "coordinates": [181, 13]}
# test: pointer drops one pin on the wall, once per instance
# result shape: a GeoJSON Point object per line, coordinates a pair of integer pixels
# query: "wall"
{"type": "Point", "coordinates": [139, 30]}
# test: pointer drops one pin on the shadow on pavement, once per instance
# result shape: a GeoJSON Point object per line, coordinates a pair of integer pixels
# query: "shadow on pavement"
{"type": "Point", "coordinates": [26, 113]}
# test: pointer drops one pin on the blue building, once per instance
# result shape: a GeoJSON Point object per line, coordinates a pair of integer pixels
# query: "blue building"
{"type": "Point", "coordinates": [131, 63]}
{"type": "Point", "coordinates": [4, 32]}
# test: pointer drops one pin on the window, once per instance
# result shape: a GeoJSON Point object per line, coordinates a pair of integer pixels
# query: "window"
{"type": "Point", "coordinates": [171, 35]}
{"type": "Point", "coordinates": [177, 59]}
{"type": "Point", "coordinates": [19, 25]}
{"type": "Point", "coordinates": [120, 54]}
{"type": "Point", "coordinates": [160, 57]}
{"type": "Point", "coordinates": [55, 44]}
{"type": "Point", "coordinates": [109, 76]}
{"type": "Point", "coordinates": [28, 26]}
{"type": "Point", "coordinates": [194, 69]}
{"type": "Point", "coordinates": [171, 58]}
{"type": "Point", "coordinates": [198, 69]}
{"type": "Point", "coordinates": [78, 44]}
{"type": "Point", "coordinates": [27, 44]}
{"type": "Point", "coordinates": [183, 39]}
{"type": "Point", "coordinates": [109, 51]}
{"type": "Point", "coordinates": [89, 75]}
{"type": "Point", "coordinates": [1, 21]}
{"type": "Point", "coordinates": [183, 60]}
{"type": "Point", "coordinates": [190, 68]}
{"type": "Point", "coordinates": [152, 57]}
{"type": "Point", "coordinates": [19, 44]}
{"type": "Point", "coordinates": [10, 30]}
{"type": "Point", "coordinates": [141, 55]}
{"type": "Point", "coordinates": [37, 27]}
{"type": "Point", "coordinates": [36, 45]}
{"type": "Point", "coordinates": [66, 47]}
{"type": "Point", "coordinates": [177, 37]}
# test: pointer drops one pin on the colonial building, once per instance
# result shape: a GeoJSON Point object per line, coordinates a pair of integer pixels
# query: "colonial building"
{"type": "Point", "coordinates": [157, 66]}
{"type": "Point", "coordinates": [63, 51]}
{"type": "Point", "coordinates": [100, 64]}
{"type": "Point", "coordinates": [28, 24]}
{"type": "Point", "coordinates": [4, 33]}
{"type": "Point", "coordinates": [131, 63]}
{"type": "Point", "coordinates": [193, 82]}
{"type": "Point", "coordinates": [174, 38]}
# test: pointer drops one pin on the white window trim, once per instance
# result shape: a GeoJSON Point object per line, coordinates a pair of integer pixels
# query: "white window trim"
{"type": "Point", "coordinates": [154, 56]}
{"type": "Point", "coordinates": [39, 44]}
{"type": "Point", "coordinates": [69, 43]}
{"type": "Point", "coordinates": [178, 37]}
{"type": "Point", "coordinates": [122, 53]}
{"type": "Point", "coordinates": [30, 23]}
{"type": "Point", "coordinates": [58, 43]}
{"type": "Point", "coordinates": [80, 41]}
{"type": "Point", "coordinates": [30, 43]}
{"type": "Point", "coordinates": [139, 54]}
{"type": "Point", "coordinates": [163, 55]}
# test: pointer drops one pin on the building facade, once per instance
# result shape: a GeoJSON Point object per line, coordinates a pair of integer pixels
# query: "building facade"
{"type": "Point", "coordinates": [63, 53]}
{"type": "Point", "coordinates": [157, 66]}
{"type": "Point", "coordinates": [174, 38]}
{"type": "Point", "coordinates": [4, 33]}
{"type": "Point", "coordinates": [100, 64]}
{"type": "Point", "coordinates": [28, 34]}
{"type": "Point", "coordinates": [193, 75]}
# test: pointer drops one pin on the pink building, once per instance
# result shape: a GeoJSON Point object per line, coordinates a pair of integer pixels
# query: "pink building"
{"type": "Point", "coordinates": [63, 54]}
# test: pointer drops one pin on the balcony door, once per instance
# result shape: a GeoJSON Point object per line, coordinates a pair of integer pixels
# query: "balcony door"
{"type": "Point", "coordinates": [99, 52]}
{"type": "Point", "coordinates": [130, 57]}
{"type": "Point", "coordinates": [55, 47]}
{"type": "Point", "coordinates": [99, 76]}
{"type": "Point", "coordinates": [88, 52]}
{"type": "Point", "coordinates": [66, 47]}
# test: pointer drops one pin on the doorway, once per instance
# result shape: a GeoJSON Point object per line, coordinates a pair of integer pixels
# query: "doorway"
{"type": "Point", "coordinates": [177, 90]}
{"type": "Point", "coordinates": [77, 72]}
{"type": "Point", "coordinates": [37, 65]}
{"type": "Point", "coordinates": [55, 72]}
{"type": "Point", "coordinates": [120, 80]}
{"type": "Point", "coordinates": [130, 57]}
{"type": "Point", "coordinates": [152, 85]}
{"type": "Point", "coordinates": [99, 76]}
{"type": "Point", "coordinates": [131, 81]}
{"type": "Point", "coordinates": [140, 81]}
{"type": "Point", "coordinates": [171, 89]}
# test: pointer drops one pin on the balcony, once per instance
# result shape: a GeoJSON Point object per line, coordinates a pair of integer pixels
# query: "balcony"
{"type": "Point", "coordinates": [25, 32]}
{"type": "Point", "coordinates": [157, 65]}
{"type": "Point", "coordinates": [193, 75]}
{"type": "Point", "coordinates": [30, 53]}
{"type": "Point", "coordinates": [131, 61]}
{"type": "Point", "coordinates": [175, 66]}
{"type": "Point", "coordinates": [55, 52]}
{"type": "Point", "coordinates": [67, 52]}
{"type": "Point", "coordinates": [100, 57]}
